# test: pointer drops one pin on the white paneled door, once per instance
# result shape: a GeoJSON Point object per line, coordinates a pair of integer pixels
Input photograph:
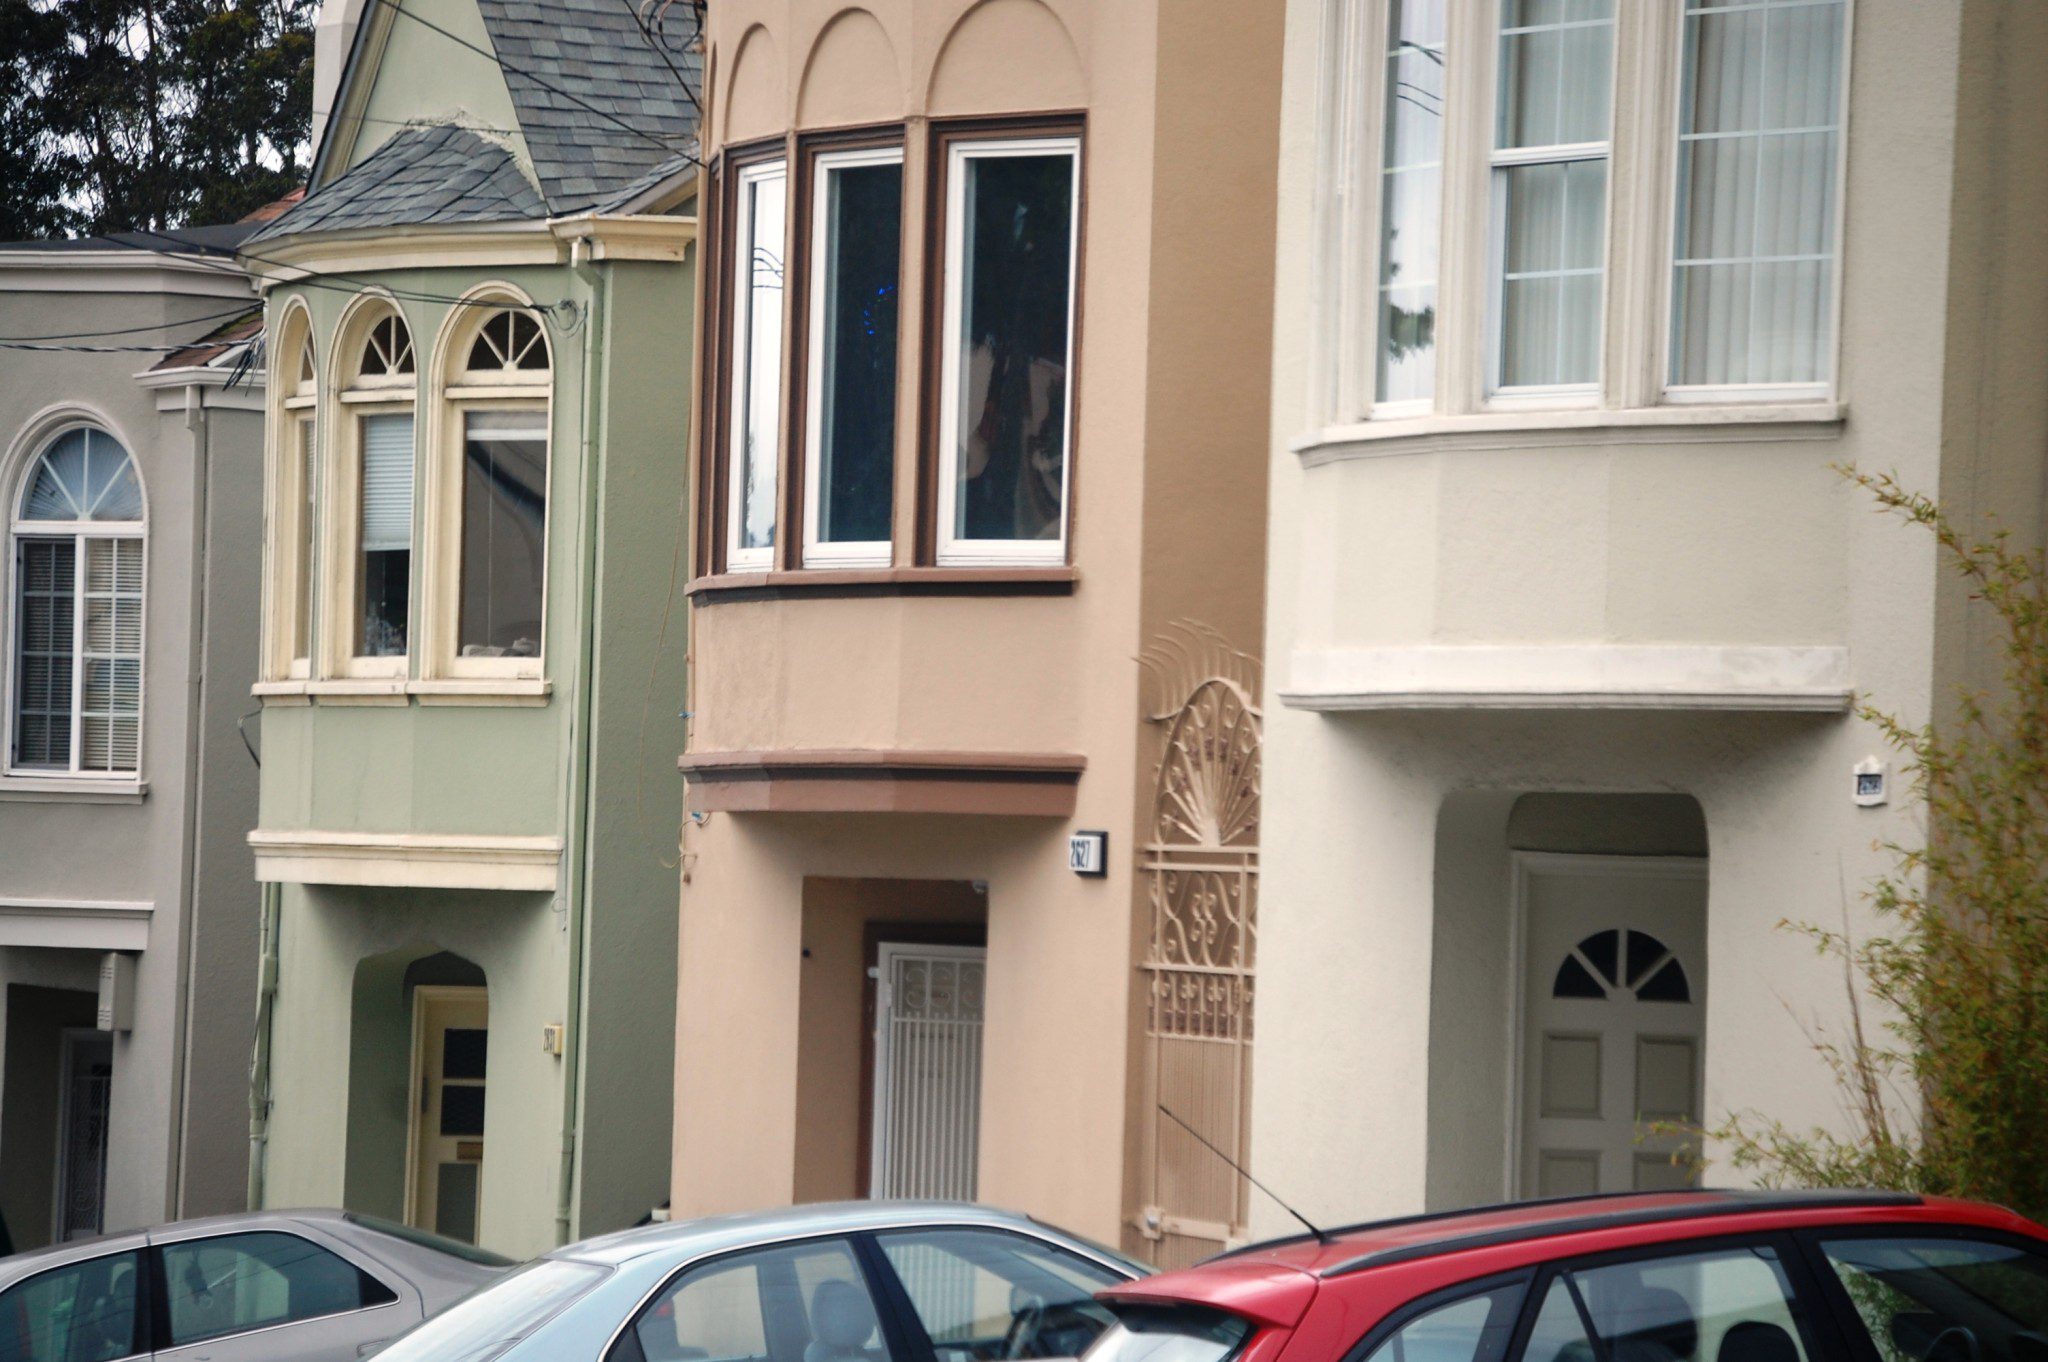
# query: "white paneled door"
{"type": "Point", "coordinates": [1613, 1020]}
{"type": "Point", "coordinates": [927, 1112]}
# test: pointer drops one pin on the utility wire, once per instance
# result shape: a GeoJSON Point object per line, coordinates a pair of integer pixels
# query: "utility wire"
{"type": "Point", "coordinates": [241, 311]}
{"type": "Point", "coordinates": [660, 51]}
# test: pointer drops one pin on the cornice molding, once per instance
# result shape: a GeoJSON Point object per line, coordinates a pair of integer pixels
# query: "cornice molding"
{"type": "Point", "coordinates": [606, 236]}
{"type": "Point", "coordinates": [288, 259]}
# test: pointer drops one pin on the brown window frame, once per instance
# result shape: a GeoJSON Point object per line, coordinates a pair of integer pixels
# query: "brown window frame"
{"type": "Point", "coordinates": [931, 364]}
{"type": "Point", "coordinates": [919, 339]}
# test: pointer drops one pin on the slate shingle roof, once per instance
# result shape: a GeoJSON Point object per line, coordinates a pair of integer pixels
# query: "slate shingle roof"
{"type": "Point", "coordinates": [421, 176]}
{"type": "Point", "coordinates": [595, 51]}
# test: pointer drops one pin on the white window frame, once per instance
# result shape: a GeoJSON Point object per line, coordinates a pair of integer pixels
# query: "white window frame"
{"type": "Point", "coordinates": [758, 559]}
{"type": "Point", "coordinates": [439, 574]}
{"type": "Point", "coordinates": [296, 398]}
{"type": "Point", "coordinates": [78, 531]}
{"type": "Point", "coordinates": [358, 396]}
{"type": "Point", "coordinates": [1637, 302]}
{"type": "Point", "coordinates": [953, 550]}
{"type": "Point", "coordinates": [1500, 395]}
{"type": "Point", "coordinates": [818, 553]}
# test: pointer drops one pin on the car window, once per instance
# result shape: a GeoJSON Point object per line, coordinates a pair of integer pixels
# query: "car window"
{"type": "Point", "coordinates": [1731, 1305]}
{"type": "Point", "coordinates": [236, 1282]}
{"type": "Point", "coordinates": [83, 1312]}
{"type": "Point", "coordinates": [1473, 1328]}
{"type": "Point", "coordinates": [988, 1294]}
{"type": "Point", "coordinates": [797, 1303]}
{"type": "Point", "coordinates": [1946, 1300]}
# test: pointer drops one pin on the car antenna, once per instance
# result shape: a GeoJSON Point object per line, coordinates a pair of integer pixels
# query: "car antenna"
{"type": "Point", "coordinates": [1322, 1236]}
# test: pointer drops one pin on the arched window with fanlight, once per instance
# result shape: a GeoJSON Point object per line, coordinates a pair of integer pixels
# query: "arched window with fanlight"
{"type": "Point", "coordinates": [78, 550]}
{"type": "Point", "coordinates": [293, 492]}
{"type": "Point", "coordinates": [491, 553]}
{"type": "Point", "coordinates": [373, 616]}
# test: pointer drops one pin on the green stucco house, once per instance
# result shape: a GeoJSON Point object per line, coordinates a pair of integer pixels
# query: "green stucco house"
{"type": "Point", "coordinates": [478, 326]}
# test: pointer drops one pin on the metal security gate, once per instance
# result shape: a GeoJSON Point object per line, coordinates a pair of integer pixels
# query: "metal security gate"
{"type": "Point", "coordinates": [927, 1104]}
{"type": "Point", "coordinates": [1202, 875]}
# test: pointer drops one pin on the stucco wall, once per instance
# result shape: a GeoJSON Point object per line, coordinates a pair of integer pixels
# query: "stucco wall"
{"type": "Point", "coordinates": [135, 849]}
{"type": "Point", "coordinates": [1372, 881]}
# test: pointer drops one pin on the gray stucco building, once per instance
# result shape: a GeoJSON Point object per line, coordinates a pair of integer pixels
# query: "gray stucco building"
{"type": "Point", "coordinates": [131, 491]}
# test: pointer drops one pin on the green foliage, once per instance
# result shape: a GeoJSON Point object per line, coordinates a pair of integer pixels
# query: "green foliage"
{"type": "Point", "coordinates": [1949, 1093]}
{"type": "Point", "coordinates": [122, 115]}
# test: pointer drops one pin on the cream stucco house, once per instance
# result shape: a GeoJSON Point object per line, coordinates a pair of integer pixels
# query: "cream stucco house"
{"type": "Point", "coordinates": [1577, 305]}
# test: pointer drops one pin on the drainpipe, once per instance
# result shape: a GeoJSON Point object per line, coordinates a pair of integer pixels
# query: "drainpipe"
{"type": "Point", "coordinates": [259, 1061]}
{"type": "Point", "coordinates": [195, 721]}
{"type": "Point", "coordinates": [576, 855]}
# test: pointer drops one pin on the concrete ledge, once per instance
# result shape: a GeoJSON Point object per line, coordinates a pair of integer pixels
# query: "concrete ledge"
{"type": "Point", "coordinates": [75, 924]}
{"type": "Point", "coordinates": [1571, 676]}
{"type": "Point", "coordinates": [842, 780]}
{"type": "Point", "coordinates": [408, 859]}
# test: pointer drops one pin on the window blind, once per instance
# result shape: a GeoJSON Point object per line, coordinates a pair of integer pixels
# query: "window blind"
{"type": "Point", "coordinates": [387, 483]}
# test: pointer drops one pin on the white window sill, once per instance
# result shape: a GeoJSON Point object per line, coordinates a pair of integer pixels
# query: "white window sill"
{"type": "Point", "coordinates": [1533, 428]}
{"type": "Point", "coordinates": [465, 690]}
{"type": "Point", "coordinates": [481, 690]}
{"type": "Point", "coordinates": [59, 789]}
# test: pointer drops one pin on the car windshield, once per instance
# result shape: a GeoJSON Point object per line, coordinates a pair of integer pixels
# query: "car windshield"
{"type": "Point", "coordinates": [454, 1248]}
{"type": "Point", "coordinates": [486, 1323]}
{"type": "Point", "coordinates": [1176, 1333]}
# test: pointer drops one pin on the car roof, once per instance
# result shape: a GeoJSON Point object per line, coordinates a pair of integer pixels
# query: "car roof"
{"type": "Point", "coordinates": [718, 1233]}
{"type": "Point", "coordinates": [1450, 1246]}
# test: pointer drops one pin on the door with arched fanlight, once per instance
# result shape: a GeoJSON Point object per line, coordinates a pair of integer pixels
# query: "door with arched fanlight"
{"type": "Point", "coordinates": [1611, 1043]}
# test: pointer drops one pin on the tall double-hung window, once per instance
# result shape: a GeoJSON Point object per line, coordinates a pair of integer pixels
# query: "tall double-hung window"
{"type": "Point", "coordinates": [1476, 268]}
{"type": "Point", "coordinates": [378, 402]}
{"type": "Point", "coordinates": [77, 617]}
{"type": "Point", "coordinates": [759, 266]}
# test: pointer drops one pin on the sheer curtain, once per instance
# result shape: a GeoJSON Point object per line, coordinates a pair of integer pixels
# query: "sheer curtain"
{"type": "Point", "coordinates": [1759, 131]}
{"type": "Point", "coordinates": [1550, 181]}
{"type": "Point", "coordinates": [1411, 200]}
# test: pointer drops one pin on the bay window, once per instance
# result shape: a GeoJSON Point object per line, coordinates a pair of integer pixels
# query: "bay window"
{"type": "Point", "coordinates": [77, 610]}
{"type": "Point", "coordinates": [1005, 342]}
{"type": "Point", "coordinates": [977, 473]}
{"type": "Point", "coordinates": [1480, 191]}
{"type": "Point", "coordinates": [850, 404]}
{"type": "Point", "coordinates": [761, 219]}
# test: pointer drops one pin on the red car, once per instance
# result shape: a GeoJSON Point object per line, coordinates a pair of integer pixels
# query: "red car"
{"type": "Point", "coordinates": [1643, 1277]}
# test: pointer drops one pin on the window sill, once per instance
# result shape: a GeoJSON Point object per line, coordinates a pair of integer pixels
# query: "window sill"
{"type": "Point", "coordinates": [71, 790]}
{"type": "Point", "coordinates": [895, 581]}
{"type": "Point", "coordinates": [481, 690]}
{"type": "Point", "coordinates": [463, 690]}
{"type": "Point", "coordinates": [1536, 428]}
{"type": "Point", "coordinates": [358, 691]}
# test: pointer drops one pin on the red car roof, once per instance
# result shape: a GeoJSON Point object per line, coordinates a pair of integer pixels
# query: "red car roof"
{"type": "Point", "coordinates": [1397, 1261]}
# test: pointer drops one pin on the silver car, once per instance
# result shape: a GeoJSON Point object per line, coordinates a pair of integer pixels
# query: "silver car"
{"type": "Point", "coordinates": [281, 1286]}
{"type": "Point", "coordinates": [868, 1281]}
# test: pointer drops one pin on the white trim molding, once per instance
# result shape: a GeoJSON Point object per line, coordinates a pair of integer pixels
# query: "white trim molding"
{"type": "Point", "coordinates": [610, 236]}
{"type": "Point", "coordinates": [415, 860]}
{"type": "Point", "coordinates": [1812, 679]}
{"type": "Point", "coordinates": [75, 924]}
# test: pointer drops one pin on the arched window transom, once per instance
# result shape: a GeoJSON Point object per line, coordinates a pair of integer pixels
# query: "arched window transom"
{"type": "Point", "coordinates": [387, 350]}
{"type": "Point", "coordinates": [1614, 965]}
{"type": "Point", "coordinates": [78, 559]}
{"type": "Point", "coordinates": [510, 342]}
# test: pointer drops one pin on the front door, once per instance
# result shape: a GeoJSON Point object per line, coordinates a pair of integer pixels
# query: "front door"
{"type": "Point", "coordinates": [927, 1095]}
{"type": "Point", "coordinates": [450, 1044]}
{"type": "Point", "coordinates": [87, 1082]}
{"type": "Point", "coordinates": [1614, 1011]}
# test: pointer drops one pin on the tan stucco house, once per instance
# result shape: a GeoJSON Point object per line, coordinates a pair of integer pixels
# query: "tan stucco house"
{"type": "Point", "coordinates": [980, 521]}
{"type": "Point", "coordinates": [1578, 306]}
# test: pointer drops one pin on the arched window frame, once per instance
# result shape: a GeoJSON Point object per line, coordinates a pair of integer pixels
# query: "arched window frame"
{"type": "Point", "coordinates": [22, 472]}
{"type": "Point", "coordinates": [355, 397]}
{"type": "Point", "coordinates": [464, 391]}
{"type": "Point", "coordinates": [291, 549]}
